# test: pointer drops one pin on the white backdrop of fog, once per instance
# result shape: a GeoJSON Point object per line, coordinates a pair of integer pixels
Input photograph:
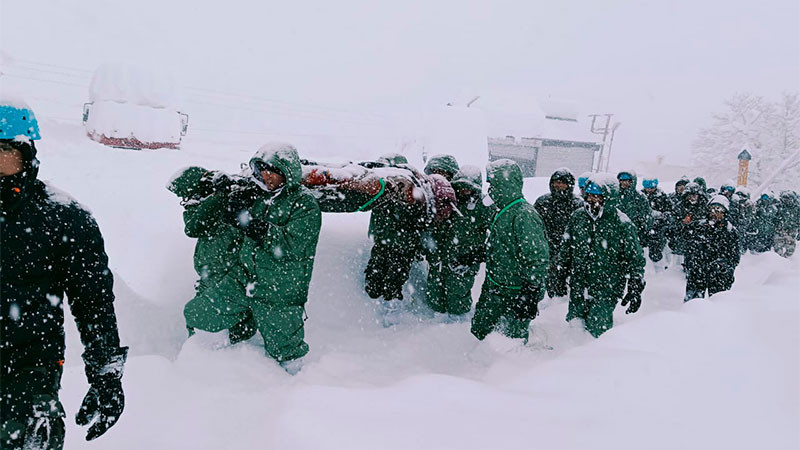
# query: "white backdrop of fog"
{"type": "Point", "coordinates": [661, 66]}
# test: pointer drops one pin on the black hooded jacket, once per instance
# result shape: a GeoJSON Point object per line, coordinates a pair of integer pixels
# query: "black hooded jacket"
{"type": "Point", "coordinates": [50, 246]}
{"type": "Point", "coordinates": [556, 208]}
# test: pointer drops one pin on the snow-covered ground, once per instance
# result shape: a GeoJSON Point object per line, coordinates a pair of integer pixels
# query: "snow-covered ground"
{"type": "Point", "coordinates": [722, 373]}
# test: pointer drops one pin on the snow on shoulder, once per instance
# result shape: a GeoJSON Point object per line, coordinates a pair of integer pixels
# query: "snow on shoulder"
{"type": "Point", "coordinates": [59, 197]}
{"type": "Point", "coordinates": [282, 150]}
{"type": "Point", "coordinates": [623, 217]}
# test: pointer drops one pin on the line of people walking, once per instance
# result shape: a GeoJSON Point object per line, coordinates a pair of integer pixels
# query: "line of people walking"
{"type": "Point", "coordinates": [257, 234]}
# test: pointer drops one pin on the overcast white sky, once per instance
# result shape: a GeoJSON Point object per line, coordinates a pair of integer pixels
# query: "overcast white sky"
{"type": "Point", "coordinates": [661, 66]}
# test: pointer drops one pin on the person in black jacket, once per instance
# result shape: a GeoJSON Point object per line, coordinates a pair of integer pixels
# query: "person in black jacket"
{"type": "Point", "coordinates": [555, 210]}
{"type": "Point", "coordinates": [680, 185]}
{"type": "Point", "coordinates": [50, 246]}
{"type": "Point", "coordinates": [712, 253]}
{"type": "Point", "coordinates": [661, 209]}
{"type": "Point", "coordinates": [692, 208]}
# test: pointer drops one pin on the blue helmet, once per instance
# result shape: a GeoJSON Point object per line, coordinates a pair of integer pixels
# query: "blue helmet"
{"type": "Point", "coordinates": [593, 188]}
{"type": "Point", "coordinates": [582, 181]}
{"type": "Point", "coordinates": [17, 120]}
{"type": "Point", "coordinates": [650, 183]}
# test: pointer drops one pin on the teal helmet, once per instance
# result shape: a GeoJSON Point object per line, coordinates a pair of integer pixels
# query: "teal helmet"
{"type": "Point", "coordinates": [650, 183]}
{"type": "Point", "coordinates": [17, 119]}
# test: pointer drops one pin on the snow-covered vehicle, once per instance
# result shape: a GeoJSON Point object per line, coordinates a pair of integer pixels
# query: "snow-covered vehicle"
{"type": "Point", "coordinates": [133, 108]}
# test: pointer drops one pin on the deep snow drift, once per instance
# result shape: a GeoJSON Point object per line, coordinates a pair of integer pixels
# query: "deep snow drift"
{"type": "Point", "coordinates": [711, 374]}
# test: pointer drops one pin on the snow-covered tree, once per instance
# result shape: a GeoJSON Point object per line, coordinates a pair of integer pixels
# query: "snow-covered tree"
{"type": "Point", "coordinates": [769, 131]}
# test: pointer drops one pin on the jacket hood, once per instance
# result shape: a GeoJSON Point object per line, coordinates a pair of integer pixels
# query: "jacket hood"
{"type": "Point", "coordinates": [444, 163]}
{"type": "Point", "coordinates": [468, 177]}
{"type": "Point", "coordinates": [789, 198]}
{"type": "Point", "coordinates": [565, 175]}
{"type": "Point", "coordinates": [702, 182]}
{"type": "Point", "coordinates": [682, 182]}
{"type": "Point", "coordinates": [284, 158]}
{"type": "Point", "coordinates": [392, 159]}
{"type": "Point", "coordinates": [505, 181]}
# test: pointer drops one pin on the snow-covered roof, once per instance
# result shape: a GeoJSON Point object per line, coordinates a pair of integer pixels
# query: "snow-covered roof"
{"type": "Point", "coordinates": [538, 118]}
{"type": "Point", "coordinates": [127, 83]}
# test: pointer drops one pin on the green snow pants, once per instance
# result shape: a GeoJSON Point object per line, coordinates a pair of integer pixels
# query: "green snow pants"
{"type": "Point", "coordinates": [493, 312]}
{"type": "Point", "coordinates": [597, 313]}
{"type": "Point", "coordinates": [281, 326]}
{"type": "Point", "coordinates": [32, 415]}
{"type": "Point", "coordinates": [450, 291]}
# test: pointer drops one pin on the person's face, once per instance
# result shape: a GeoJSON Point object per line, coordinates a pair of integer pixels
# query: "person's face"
{"type": "Point", "coordinates": [693, 198]}
{"type": "Point", "coordinates": [716, 213]}
{"type": "Point", "coordinates": [727, 193]}
{"type": "Point", "coordinates": [10, 161]}
{"type": "Point", "coordinates": [594, 203]}
{"type": "Point", "coordinates": [679, 188]}
{"type": "Point", "coordinates": [649, 191]}
{"type": "Point", "coordinates": [625, 184]}
{"type": "Point", "coordinates": [464, 195]}
{"type": "Point", "coordinates": [559, 186]}
{"type": "Point", "coordinates": [273, 180]}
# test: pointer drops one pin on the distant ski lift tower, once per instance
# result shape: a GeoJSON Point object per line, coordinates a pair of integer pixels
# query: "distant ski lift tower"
{"type": "Point", "coordinates": [601, 130]}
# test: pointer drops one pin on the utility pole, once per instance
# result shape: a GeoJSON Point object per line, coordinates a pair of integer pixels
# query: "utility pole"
{"type": "Point", "coordinates": [611, 143]}
{"type": "Point", "coordinates": [601, 130]}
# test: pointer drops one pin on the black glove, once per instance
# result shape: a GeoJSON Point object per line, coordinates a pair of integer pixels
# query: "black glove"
{"type": "Point", "coordinates": [634, 295]}
{"type": "Point", "coordinates": [556, 283]}
{"type": "Point", "coordinates": [105, 399]}
{"type": "Point", "coordinates": [255, 229]}
{"type": "Point", "coordinates": [526, 306]}
{"type": "Point", "coordinates": [469, 259]}
{"type": "Point", "coordinates": [240, 198]}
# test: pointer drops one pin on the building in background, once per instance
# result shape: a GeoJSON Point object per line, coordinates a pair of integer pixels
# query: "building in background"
{"type": "Point", "coordinates": [549, 138]}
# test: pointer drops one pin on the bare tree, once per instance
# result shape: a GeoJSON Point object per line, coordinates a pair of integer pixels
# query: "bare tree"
{"type": "Point", "coordinates": [769, 131]}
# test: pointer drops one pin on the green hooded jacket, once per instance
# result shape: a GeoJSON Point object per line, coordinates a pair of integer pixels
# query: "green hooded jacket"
{"type": "Point", "coordinates": [598, 255]}
{"type": "Point", "coordinates": [636, 206]}
{"type": "Point", "coordinates": [218, 243]}
{"type": "Point", "coordinates": [465, 231]}
{"type": "Point", "coordinates": [442, 163]}
{"type": "Point", "coordinates": [460, 243]}
{"type": "Point", "coordinates": [517, 251]}
{"type": "Point", "coordinates": [279, 263]}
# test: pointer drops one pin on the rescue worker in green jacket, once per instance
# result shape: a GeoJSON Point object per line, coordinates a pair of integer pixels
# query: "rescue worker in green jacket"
{"type": "Point", "coordinates": [459, 247]}
{"type": "Point", "coordinates": [600, 255]}
{"type": "Point", "coordinates": [281, 229]}
{"type": "Point", "coordinates": [444, 165]}
{"type": "Point", "coordinates": [517, 258]}
{"type": "Point", "coordinates": [395, 227]}
{"type": "Point", "coordinates": [205, 196]}
{"type": "Point", "coordinates": [635, 205]}
{"type": "Point", "coordinates": [765, 223]}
